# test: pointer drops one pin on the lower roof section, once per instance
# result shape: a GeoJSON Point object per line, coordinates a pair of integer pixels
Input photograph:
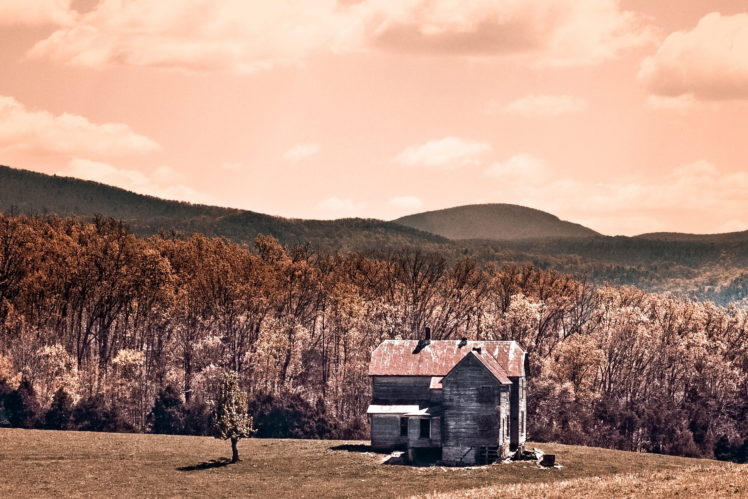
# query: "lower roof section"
{"type": "Point", "coordinates": [392, 409]}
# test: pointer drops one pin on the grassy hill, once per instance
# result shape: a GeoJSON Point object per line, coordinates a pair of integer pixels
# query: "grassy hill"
{"type": "Point", "coordinates": [36, 193]}
{"type": "Point", "coordinates": [35, 463]}
{"type": "Point", "coordinates": [495, 221]}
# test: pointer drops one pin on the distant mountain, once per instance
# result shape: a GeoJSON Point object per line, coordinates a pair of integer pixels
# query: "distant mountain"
{"type": "Point", "coordinates": [34, 193]}
{"type": "Point", "coordinates": [500, 222]}
{"type": "Point", "coordinates": [725, 237]}
{"type": "Point", "coordinates": [705, 267]}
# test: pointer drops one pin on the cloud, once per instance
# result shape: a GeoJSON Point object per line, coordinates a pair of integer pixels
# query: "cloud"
{"type": "Point", "coordinates": [544, 105]}
{"type": "Point", "coordinates": [302, 151]}
{"type": "Point", "coordinates": [36, 12]}
{"type": "Point", "coordinates": [341, 206]}
{"type": "Point", "coordinates": [405, 202]}
{"type": "Point", "coordinates": [235, 35]}
{"type": "Point", "coordinates": [518, 168]}
{"type": "Point", "coordinates": [680, 104]}
{"type": "Point", "coordinates": [547, 32]}
{"type": "Point", "coordinates": [447, 153]}
{"type": "Point", "coordinates": [25, 130]}
{"type": "Point", "coordinates": [691, 197]}
{"type": "Point", "coordinates": [708, 62]}
{"type": "Point", "coordinates": [163, 182]}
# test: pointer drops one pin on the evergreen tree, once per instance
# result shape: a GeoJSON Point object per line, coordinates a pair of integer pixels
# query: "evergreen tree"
{"type": "Point", "coordinates": [60, 414]}
{"type": "Point", "coordinates": [93, 414]}
{"type": "Point", "coordinates": [168, 412]}
{"type": "Point", "coordinates": [230, 420]}
{"type": "Point", "coordinates": [21, 406]}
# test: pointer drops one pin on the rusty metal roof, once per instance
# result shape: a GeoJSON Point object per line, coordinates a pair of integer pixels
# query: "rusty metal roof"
{"type": "Point", "coordinates": [493, 366]}
{"type": "Point", "coordinates": [438, 357]}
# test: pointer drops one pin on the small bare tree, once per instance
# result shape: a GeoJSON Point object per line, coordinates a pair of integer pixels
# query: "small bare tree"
{"type": "Point", "coordinates": [230, 420]}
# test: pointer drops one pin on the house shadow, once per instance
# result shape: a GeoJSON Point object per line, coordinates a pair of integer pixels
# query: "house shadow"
{"type": "Point", "coordinates": [213, 463]}
{"type": "Point", "coordinates": [421, 458]}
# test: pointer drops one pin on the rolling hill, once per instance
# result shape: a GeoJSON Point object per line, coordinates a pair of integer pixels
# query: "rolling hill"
{"type": "Point", "coordinates": [502, 222]}
{"type": "Point", "coordinates": [725, 237]}
{"type": "Point", "coordinates": [26, 192]}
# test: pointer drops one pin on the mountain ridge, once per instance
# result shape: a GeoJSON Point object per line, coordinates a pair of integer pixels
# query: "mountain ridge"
{"type": "Point", "coordinates": [495, 221]}
{"type": "Point", "coordinates": [705, 267]}
{"type": "Point", "coordinates": [33, 193]}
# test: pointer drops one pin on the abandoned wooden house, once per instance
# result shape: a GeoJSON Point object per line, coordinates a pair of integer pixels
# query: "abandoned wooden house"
{"type": "Point", "coordinates": [461, 402]}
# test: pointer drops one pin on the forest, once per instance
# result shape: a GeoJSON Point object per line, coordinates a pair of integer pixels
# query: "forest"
{"type": "Point", "coordinates": [102, 329]}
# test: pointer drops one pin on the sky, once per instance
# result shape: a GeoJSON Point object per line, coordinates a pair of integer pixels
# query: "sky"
{"type": "Point", "coordinates": [625, 116]}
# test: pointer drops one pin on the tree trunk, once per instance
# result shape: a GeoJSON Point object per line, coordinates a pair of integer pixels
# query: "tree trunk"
{"type": "Point", "coordinates": [234, 451]}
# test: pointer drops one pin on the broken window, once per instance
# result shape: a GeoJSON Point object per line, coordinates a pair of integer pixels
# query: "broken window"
{"type": "Point", "coordinates": [425, 428]}
{"type": "Point", "coordinates": [403, 427]}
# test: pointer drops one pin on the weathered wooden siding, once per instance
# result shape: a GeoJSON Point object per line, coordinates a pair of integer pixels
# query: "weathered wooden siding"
{"type": "Point", "coordinates": [472, 419]}
{"type": "Point", "coordinates": [401, 390]}
{"type": "Point", "coordinates": [385, 432]}
{"type": "Point", "coordinates": [518, 407]}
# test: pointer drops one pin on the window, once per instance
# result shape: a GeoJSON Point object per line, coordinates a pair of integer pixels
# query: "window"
{"type": "Point", "coordinates": [522, 422]}
{"type": "Point", "coordinates": [506, 428]}
{"type": "Point", "coordinates": [485, 395]}
{"type": "Point", "coordinates": [403, 427]}
{"type": "Point", "coordinates": [425, 428]}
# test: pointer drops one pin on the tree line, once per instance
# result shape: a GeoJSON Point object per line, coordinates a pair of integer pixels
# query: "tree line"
{"type": "Point", "coordinates": [103, 330]}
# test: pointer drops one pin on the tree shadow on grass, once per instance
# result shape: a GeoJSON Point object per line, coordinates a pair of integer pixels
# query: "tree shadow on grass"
{"type": "Point", "coordinates": [213, 463]}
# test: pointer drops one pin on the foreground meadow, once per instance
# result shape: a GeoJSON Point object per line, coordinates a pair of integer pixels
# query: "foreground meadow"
{"type": "Point", "coordinates": [36, 463]}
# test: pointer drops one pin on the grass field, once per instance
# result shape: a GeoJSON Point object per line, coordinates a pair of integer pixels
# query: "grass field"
{"type": "Point", "coordinates": [51, 463]}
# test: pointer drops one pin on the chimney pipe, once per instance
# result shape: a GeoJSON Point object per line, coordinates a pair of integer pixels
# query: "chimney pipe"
{"type": "Point", "coordinates": [427, 333]}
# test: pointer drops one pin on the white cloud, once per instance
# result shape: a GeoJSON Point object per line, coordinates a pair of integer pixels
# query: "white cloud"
{"type": "Point", "coordinates": [36, 12]}
{"type": "Point", "coordinates": [43, 132]}
{"type": "Point", "coordinates": [680, 104]}
{"type": "Point", "coordinates": [342, 207]}
{"type": "Point", "coordinates": [243, 36]}
{"type": "Point", "coordinates": [544, 32]}
{"type": "Point", "coordinates": [163, 182]}
{"type": "Point", "coordinates": [302, 151]}
{"type": "Point", "coordinates": [545, 105]}
{"type": "Point", "coordinates": [447, 153]}
{"type": "Point", "coordinates": [709, 62]}
{"type": "Point", "coordinates": [518, 168]}
{"type": "Point", "coordinates": [406, 202]}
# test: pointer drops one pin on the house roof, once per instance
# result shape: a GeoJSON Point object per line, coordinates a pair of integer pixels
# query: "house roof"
{"type": "Point", "coordinates": [438, 357]}
{"type": "Point", "coordinates": [392, 409]}
{"type": "Point", "coordinates": [493, 366]}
